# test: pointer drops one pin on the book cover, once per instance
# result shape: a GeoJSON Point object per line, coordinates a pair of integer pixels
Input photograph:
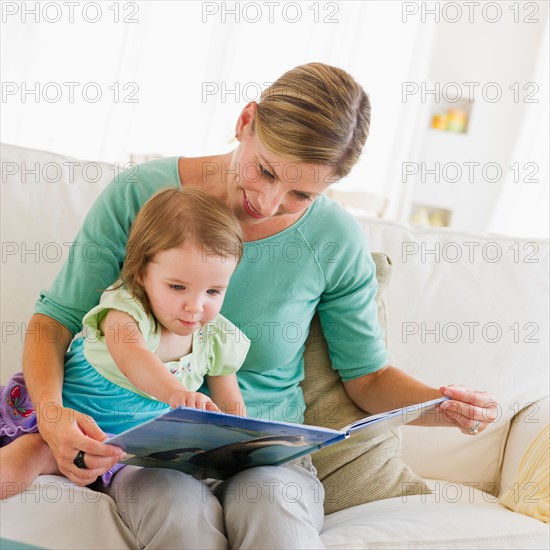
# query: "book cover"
{"type": "Point", "coordinates": [217, 445]}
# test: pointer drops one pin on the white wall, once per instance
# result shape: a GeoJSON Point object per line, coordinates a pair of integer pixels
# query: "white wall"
{"type": "Point", "coordinates": [164, 57]}
{"type": "Point", "coordinates": [503, 53]}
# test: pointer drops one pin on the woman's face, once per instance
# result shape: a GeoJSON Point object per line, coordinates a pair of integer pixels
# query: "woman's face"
{"type": "Point", "coordinates": [262, 185]}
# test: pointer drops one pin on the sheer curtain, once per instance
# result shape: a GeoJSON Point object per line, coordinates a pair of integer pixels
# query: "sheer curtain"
{"type": "Point", "coordinates": [173, 77]}
{"type": "Point", "coordinates": [524, 203]}
{"type": "Point", "coordinates": [184, 73]}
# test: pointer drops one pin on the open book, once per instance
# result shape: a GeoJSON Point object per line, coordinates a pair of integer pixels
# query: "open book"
{"type": "Point", "coordinates": [216, 445]}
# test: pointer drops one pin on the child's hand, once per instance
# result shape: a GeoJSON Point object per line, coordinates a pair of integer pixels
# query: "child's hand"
{"type": "Point", "coordinates": [195, 400]}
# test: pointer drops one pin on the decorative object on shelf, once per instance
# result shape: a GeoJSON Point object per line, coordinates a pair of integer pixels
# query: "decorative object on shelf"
{"type": "Point", "coordinates": [453, 120]}
{"type": "Point", "coordinates": [420, 217]}
{"type": "Point", "coordinates": [430, 216]}
{"type": "Point", "coordinates": [456, 120]}
{"type": "Point", "coordinates": [436, 219]}
{"type": "Point", "coordinates": [440, 121]}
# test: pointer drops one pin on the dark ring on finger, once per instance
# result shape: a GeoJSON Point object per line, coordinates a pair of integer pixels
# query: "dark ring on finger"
{"type": "Point", "coordinates": [79, 461]}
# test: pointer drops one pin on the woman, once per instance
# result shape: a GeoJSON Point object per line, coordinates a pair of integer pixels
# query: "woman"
{"type": "Point", "coordinates": [303, 253]}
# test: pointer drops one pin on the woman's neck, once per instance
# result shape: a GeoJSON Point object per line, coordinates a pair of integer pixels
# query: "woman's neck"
{"type": "Point", "coordinates": [268, 228]}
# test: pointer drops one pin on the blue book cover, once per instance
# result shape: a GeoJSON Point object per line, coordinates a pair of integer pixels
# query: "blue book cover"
{"type": "Point", "coordinates": [217, 445]}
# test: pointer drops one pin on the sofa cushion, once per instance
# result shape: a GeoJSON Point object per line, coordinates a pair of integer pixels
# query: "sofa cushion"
{"type": "Point", "coordinates": [359, 474]}
{"type": "Point", "coordinates": [472, 309]}
{"type": "Point", "coordinates": [454, 516]}
{"type": "Point", "coordinates": [44, 197]}
{"type": "Point", "coordinates": [55, 513]}
{"type": "Point", "coordinates": [529, 492]}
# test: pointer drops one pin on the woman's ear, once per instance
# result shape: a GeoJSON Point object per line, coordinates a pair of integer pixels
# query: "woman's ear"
{"type": "Point", "coordinates": [245, 120]}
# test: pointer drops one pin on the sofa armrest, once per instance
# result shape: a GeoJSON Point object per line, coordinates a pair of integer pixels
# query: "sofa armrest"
{"type": "Point", "coordinates": [524, 427]}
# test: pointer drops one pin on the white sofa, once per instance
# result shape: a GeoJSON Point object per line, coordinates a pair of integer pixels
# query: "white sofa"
{"type": "Point", "coordinates": [481, 320]}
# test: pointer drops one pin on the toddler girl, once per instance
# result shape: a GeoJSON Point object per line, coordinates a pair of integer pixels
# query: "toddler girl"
{"type": "Point", "coordinates": [153, 340]}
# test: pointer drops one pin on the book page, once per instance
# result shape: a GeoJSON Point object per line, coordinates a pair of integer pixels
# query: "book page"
{"type": "Point", "coordinates": [403, 415]}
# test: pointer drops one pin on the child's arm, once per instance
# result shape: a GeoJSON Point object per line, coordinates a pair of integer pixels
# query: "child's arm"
{"type": "Point", "coordinates": [225, 392]}
{"type": "Point", "coordinates": [142, 367]}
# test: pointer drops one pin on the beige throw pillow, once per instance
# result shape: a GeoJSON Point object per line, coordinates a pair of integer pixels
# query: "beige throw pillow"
{"type": "Point", "coordinates": [529, 493]}
{"type": "Point", "coordinates": [374, 470]}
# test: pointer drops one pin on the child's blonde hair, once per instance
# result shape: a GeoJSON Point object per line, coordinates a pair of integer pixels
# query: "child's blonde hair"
{"type": "Point", "coordinates": [171, 217]}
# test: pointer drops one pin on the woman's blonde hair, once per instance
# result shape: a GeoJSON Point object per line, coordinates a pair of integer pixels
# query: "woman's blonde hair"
{"type": "Point", "coordinates": [171, 217]}
{"type": "Point", "coordinates": [317, 114]}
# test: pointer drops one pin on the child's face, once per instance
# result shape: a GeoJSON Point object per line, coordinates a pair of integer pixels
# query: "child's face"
{"type": "Point", "coordinates": [186, 286]}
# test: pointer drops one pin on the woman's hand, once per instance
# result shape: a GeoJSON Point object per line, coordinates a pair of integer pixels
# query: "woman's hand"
{"type": "Point", "coordinates": [68, 432]}
{"type": "Point", "coordinates": [470, 410]}
{"type": "Point", "coordinates": [195, 400]}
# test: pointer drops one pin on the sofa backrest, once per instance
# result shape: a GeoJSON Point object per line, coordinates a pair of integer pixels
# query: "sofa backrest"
{"type": "Point", "coordinates": [480, 319]}
{"type": "Point", "coordinates": [466, 309]}
{"type": "Point", "coordinates": [44, 199]}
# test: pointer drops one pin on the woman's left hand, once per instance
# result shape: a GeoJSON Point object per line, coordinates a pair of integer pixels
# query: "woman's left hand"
{"type": "Point", "coordinates": [470, 410]}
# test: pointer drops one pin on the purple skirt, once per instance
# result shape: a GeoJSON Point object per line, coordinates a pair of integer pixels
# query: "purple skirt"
{"type": "Point", "coordinates": [17, 417]}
